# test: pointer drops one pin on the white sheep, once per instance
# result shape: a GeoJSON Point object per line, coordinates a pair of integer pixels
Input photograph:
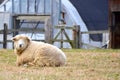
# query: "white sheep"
{"type": "Point", "coordinates": [37, 53]}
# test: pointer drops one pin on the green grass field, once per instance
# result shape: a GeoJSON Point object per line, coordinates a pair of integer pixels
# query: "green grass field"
{"type": "Point", "coordinates": [81, 65]}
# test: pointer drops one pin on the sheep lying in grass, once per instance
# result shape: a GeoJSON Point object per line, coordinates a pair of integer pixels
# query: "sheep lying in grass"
{"type": "Point", "coordinates": [37, 53]}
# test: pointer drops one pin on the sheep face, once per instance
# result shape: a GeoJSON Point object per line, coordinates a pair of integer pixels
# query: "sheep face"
{"type": "Point", "coordinates": [20, 42]}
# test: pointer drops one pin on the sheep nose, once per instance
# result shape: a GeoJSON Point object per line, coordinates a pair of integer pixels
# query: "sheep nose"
{"type": "Point", "coordinates": [20, 45]}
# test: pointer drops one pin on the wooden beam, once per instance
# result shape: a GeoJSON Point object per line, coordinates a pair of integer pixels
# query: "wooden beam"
{"type": "Point", "coordinates": [32, 17]}
{"type": "Point", "coordinates": [5, 36]}
{"type": "Point", "coordinates": [76, 36]}
{"type": "Point", "coordinates": [26, 30]}
{"type": "Point", "coordinates": [59, 40]}
{"type": "Point", "coordinates": [57, 34]}
{"type": "Point", "coordinates": [64, 27]}
{"type": "Point", "coordinates": [48, 31]}
{"type": "Point", "coordinates": [95, 32]}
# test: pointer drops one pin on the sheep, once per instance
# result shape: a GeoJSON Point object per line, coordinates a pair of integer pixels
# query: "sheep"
{"type": "Point", "coordinates": [37, 53]}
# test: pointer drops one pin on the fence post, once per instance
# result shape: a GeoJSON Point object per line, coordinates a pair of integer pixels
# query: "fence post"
{"type": "Point", "coordinates": [5, 36]}
{"type": "Point", "coordinates": [48, 31]}
{"type": "Point", "coordinates": [76, 36]}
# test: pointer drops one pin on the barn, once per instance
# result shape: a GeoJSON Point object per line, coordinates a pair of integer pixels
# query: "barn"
{"type": "Point", "coordinates": [114, 23]}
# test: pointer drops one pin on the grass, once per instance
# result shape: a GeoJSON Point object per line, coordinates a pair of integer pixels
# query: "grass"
{"type": "Point", "coordinates": [81, 65]}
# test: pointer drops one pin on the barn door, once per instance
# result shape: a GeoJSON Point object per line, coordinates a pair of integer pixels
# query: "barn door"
{"type": "Point", "coordinates": [116, 30]}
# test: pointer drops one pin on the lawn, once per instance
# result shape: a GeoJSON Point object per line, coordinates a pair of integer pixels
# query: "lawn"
{"type": "Point", "coordinates": [81, 65]}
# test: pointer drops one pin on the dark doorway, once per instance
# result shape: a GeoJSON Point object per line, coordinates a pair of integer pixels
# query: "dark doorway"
{"type": "Point", "coordinates": [115, 30]}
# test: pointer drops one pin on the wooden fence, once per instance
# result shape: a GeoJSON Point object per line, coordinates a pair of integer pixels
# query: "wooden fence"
{"type": "Point", "coordinates": [75, 42]}
{"type": "Point", "coordinates": [75, 30]}
{"type": "Point", "coordinates": [7, 31]}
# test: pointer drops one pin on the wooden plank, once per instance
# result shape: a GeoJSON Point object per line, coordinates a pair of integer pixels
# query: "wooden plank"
{"type": "Point", "coordinates": [62, 32]}
{"type": "Point", "coordinates": [26, 30]}
{"type": "Point", "coordinates": [48, 31]}
{"type": "Point", "coordinates": [32, 17]}
{"type": "Point", "coordinates": [95, 32]}
{"type": "Point", "coordinates": [76, 35]}
{"type": "Point", "coordinates": [5, 36]}
{"type": "Point", "coordinates": [57, 35]}
{"type": "Point", "coordinates": [64, 27]}
{"type": "Point", "coordinates": [59, 40]}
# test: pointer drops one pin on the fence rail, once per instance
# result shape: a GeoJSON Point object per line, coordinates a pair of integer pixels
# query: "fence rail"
{"type": "Point", "coordinates": [23, 30]}
{"type": "Point", "coordinates": [95, 32]}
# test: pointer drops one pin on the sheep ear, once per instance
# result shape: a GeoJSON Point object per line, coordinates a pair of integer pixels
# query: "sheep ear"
{"type": "Point", "coordinates": [28, 39]}
{"type": "Point", "coordinates": [13, 39]}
